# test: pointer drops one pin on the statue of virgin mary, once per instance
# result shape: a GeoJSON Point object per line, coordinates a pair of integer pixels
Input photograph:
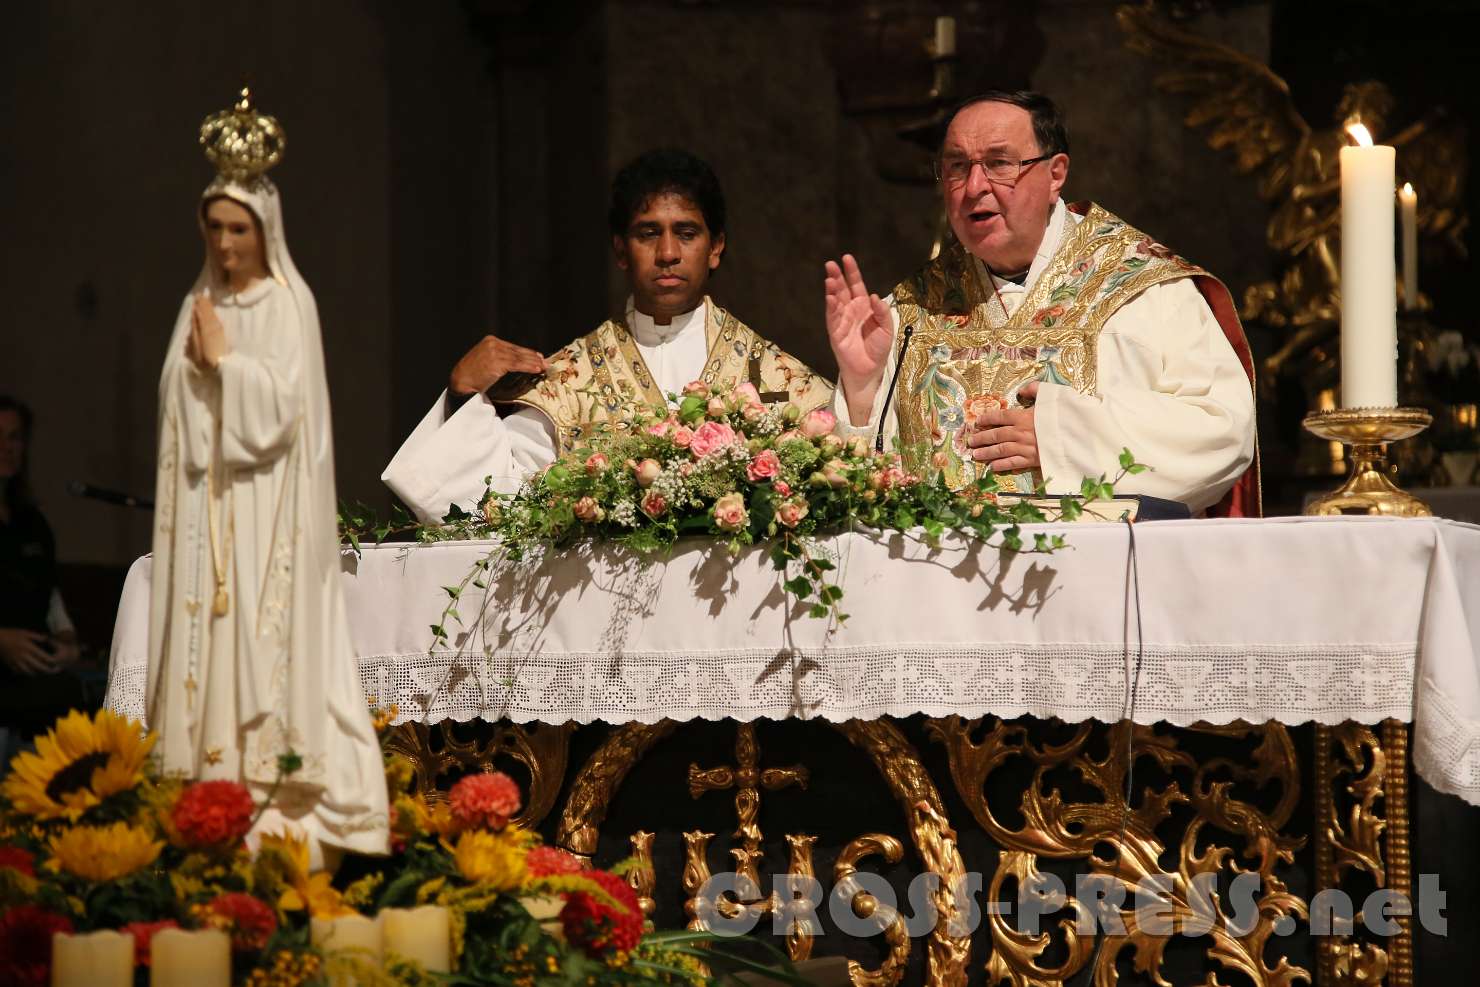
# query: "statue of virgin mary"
{"type": "Point", "coordinates": [249, 642]}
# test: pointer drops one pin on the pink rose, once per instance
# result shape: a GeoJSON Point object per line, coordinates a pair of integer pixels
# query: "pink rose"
{"type": "Point", "coordinates": [660, 429]}
{"type": "Point", "coordinates": [835, 472]}
{"type": "Point", "coordinates": [783, 488]}
{"type": "Point", "coordinates": [696, 389]}
{"type": "Point", "coordinates": [791, 512]}
{"type": "Point", "coordinates": [596, 462]}
{"type": "Point", "coordinates": [831, 444]}
{"type": "Point", "coordinates": [753, 411]}
{"type": "Point", "coordinates": [790, 435]}
{"type": "Point", "coordinates": [764, 466]}
{"type": "Point", "coordinates": [716, 407]}
{"type": "Point", "coordinates": [588, 510]}
{"type": "Point", "coordinates": [710, 437]}
{"type": "Point", "coordinates": [647, 471]}
{"type": "Point", "coordinates": [729, 512]}
{"type": "Point", "coordinates": [887, 478]}
{"type": "Point", "coordinates": [653, 504]}
{"type": "Point", "coordinates": [747, 393]}
{"type": "Point", "coordinates": [682, 436]}
{"type": "Point", "coordinates": [818, 423]}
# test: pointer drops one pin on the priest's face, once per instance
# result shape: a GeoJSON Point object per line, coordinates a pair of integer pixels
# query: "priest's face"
{"type": "Point", "coordinates": [1000, 223]}
{"type": "Point", "coordinates": [668, 252]}
{"type": "Point", "coordinates": [234, 240]}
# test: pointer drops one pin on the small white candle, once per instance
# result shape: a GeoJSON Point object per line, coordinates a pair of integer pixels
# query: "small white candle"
{"type": "Point", "coordinates": [1369, 317]}
{"type": "Point", "coordinates": [1408, 210]}
{"type": "Point", "coordinates": [945, 36]}
{"type": "Point", "coordinates": [190, 958]}
{"type": "Point", "coordinates": [422, 934]}
{"type": "Point", "coordinates": [93, 959]}
{"type": "Point", "coordinates": [357, 936]}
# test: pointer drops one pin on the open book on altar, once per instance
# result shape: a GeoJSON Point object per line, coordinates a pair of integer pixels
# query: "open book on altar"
{"type": "Point", "coordinates": [1129, 508]}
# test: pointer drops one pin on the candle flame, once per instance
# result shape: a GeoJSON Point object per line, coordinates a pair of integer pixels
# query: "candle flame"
{"type": "Point", "coordinates": [1360, 134]}
{"type": "Point", "coordinates": [1407, 188]}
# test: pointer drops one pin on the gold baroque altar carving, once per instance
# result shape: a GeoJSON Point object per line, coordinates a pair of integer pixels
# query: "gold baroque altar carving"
{"type": "Point", "coordinates": [1196, 813]}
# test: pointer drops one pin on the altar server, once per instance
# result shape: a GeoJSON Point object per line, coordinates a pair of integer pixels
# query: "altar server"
{"type": "Point", "coordinates": [508, 411]}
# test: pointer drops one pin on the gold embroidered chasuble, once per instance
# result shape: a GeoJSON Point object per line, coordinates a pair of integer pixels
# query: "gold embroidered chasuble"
{"type": "Point", "coordinates": [601, 380]}
{"type": "Point", "coordinates": [963, 353]}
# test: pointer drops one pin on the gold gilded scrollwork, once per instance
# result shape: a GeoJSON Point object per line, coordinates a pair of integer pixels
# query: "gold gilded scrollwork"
{"type": "Point", "coordinates": [642, 878]}
{"type": "Point", "coordinates": [935, 841]}
{"type": "Point", "coordinates": [541, 748]}
{"type": "Point", "coordinates": [598, 781]}
{"type": "Point", "coordinates": [865, 906]}
{"type": "Point", "coordinates": [1058, 828]}
{"type": "Point", "coordinates": [1373, 839]}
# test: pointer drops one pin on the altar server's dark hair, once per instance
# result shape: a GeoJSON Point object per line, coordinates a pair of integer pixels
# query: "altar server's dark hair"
{"type": "Point", "coordinates": [17, 489]}
{"type": "Point", "coordinates": [663, 171]}
{"type": "Point", "coordinates": [1048, 122]}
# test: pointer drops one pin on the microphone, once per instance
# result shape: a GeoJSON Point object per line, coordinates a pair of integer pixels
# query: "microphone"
{"type": "Point", "coordinates": [79, 489]}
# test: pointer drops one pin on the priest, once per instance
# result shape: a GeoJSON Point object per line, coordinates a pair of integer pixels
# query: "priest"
{"type": "Point", "coordinates": [1046, 337]}
{"type": "Point", "coordinates": [508, 411]}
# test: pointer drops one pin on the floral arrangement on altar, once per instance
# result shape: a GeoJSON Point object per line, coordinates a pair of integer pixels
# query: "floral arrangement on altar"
{"type": "Point", "coordinates": [92, 838]}
{"type": "Point", "coordinates": [721, 463]}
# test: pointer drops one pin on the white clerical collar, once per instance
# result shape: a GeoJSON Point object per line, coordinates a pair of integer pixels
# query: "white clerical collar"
{"type": "Point", "coordinates": [1047, 247]}
{"type": "Point", "coordinates": [649, 333]}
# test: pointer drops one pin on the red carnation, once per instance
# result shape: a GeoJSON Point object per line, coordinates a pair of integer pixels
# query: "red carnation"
{"type": "Point", "coordinates": [143, 933]}
{"type": "Point", "coordinates": [548, 861]}
{"type": "Point", "coordinates": [597, 927]}
{"type": "Point", "coordinates": [214, 813]}
{"type": "Point", "coordinates": [19, 859]}
{"type": "Point", "coordinates": [250, 921]}
{"type": "Point", "coordinates": [487, 800]}
{"type": "Point", "coordinates": [25, 944]}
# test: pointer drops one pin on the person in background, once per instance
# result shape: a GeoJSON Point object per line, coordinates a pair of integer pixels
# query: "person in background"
{"type": "Point", "coordinates": [38, 645]}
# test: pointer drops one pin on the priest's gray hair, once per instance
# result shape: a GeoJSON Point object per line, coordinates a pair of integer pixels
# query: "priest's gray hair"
{"type": "Point", "coordinates": [1048, 123]}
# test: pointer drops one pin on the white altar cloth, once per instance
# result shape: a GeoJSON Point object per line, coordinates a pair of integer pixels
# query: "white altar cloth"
{"type": "Point", "coordinates": [1288, 619]}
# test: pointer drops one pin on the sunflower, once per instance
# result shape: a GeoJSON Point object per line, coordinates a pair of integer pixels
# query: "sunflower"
{"type": "Point", "coordinates": [303, 890]}
{"type": "Point", "coordinates": [494, 859]}
{"type": "Point", "coordinates": [79, 763]}
{"type": "Point", "coordinates": [103, 853]}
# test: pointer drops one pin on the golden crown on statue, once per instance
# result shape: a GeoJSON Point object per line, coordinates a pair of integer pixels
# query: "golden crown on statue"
{"type": "Point", "coordinates": [240, 142]}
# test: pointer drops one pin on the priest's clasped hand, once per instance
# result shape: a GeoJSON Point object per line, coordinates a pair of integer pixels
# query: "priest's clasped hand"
{"type": "Point", "coordinates": [860, 328]}
{"type": "Point", "coordinates": [488, 361]}
{"type": "Point", "coordinates": [206, 344]}
{"type": "Point", "coordinates": [1006, 438]}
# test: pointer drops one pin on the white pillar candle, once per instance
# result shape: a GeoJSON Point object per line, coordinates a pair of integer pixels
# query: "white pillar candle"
{"type": "Point", "coordinates": [945, 36]}
{"type": "Point", "coordinates": [190, 958]}
{"type": "Point", "coordinates": [92, 959]}
{"type": "Point", "coordinates": [358, 937]}
{"type": "Point", "coordinates": [1369, 317]}
{"type": "Point", "coordinates": [422, 934]}
{"type": "Point", "coordinates": [1408, 210]}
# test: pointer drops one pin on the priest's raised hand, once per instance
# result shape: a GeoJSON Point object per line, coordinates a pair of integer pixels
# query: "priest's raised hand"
{"type": "Point", "coordinates": [860, 328]}
{"type": "Point", "coordinates": [488, 362]}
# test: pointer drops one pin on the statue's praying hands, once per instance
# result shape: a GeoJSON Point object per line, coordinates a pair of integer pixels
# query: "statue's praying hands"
{"type": "Point", "coordinates": [488, 362]}
{"type": "Point", "coordinates": [206, 344]}
{"type": "Point", "coordinates": [860, 328]}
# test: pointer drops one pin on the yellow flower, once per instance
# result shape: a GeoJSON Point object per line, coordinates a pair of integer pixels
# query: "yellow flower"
{"type": "Point", "coordinates": [495, 859]}
{"type": "Point", "coordinates": [314, 892]}
{"type": "Point", "coordinates": [103, 853]}
{"type": "Point", "coordinates": [79, 763]}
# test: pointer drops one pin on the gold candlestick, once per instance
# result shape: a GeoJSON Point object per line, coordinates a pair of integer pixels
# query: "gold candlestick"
{"type": "Point", "coordinates": [1368, 488]}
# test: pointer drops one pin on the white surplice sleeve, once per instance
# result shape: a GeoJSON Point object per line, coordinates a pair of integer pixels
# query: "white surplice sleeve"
{"type": "Point", "coordinates": [1170, 389]}
{"type": "Point", "coordinates": [262, 391]}
{"type": "Point", "coordinates": [446, 458]}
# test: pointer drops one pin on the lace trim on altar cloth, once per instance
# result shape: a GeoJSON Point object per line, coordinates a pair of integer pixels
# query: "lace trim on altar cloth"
{"type": "Point", "coordinates": [1178, 684]}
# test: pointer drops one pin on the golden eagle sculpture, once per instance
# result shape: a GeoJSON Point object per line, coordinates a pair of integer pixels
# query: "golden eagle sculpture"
{"type": "Point", "coordinates": [1249, 114]}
